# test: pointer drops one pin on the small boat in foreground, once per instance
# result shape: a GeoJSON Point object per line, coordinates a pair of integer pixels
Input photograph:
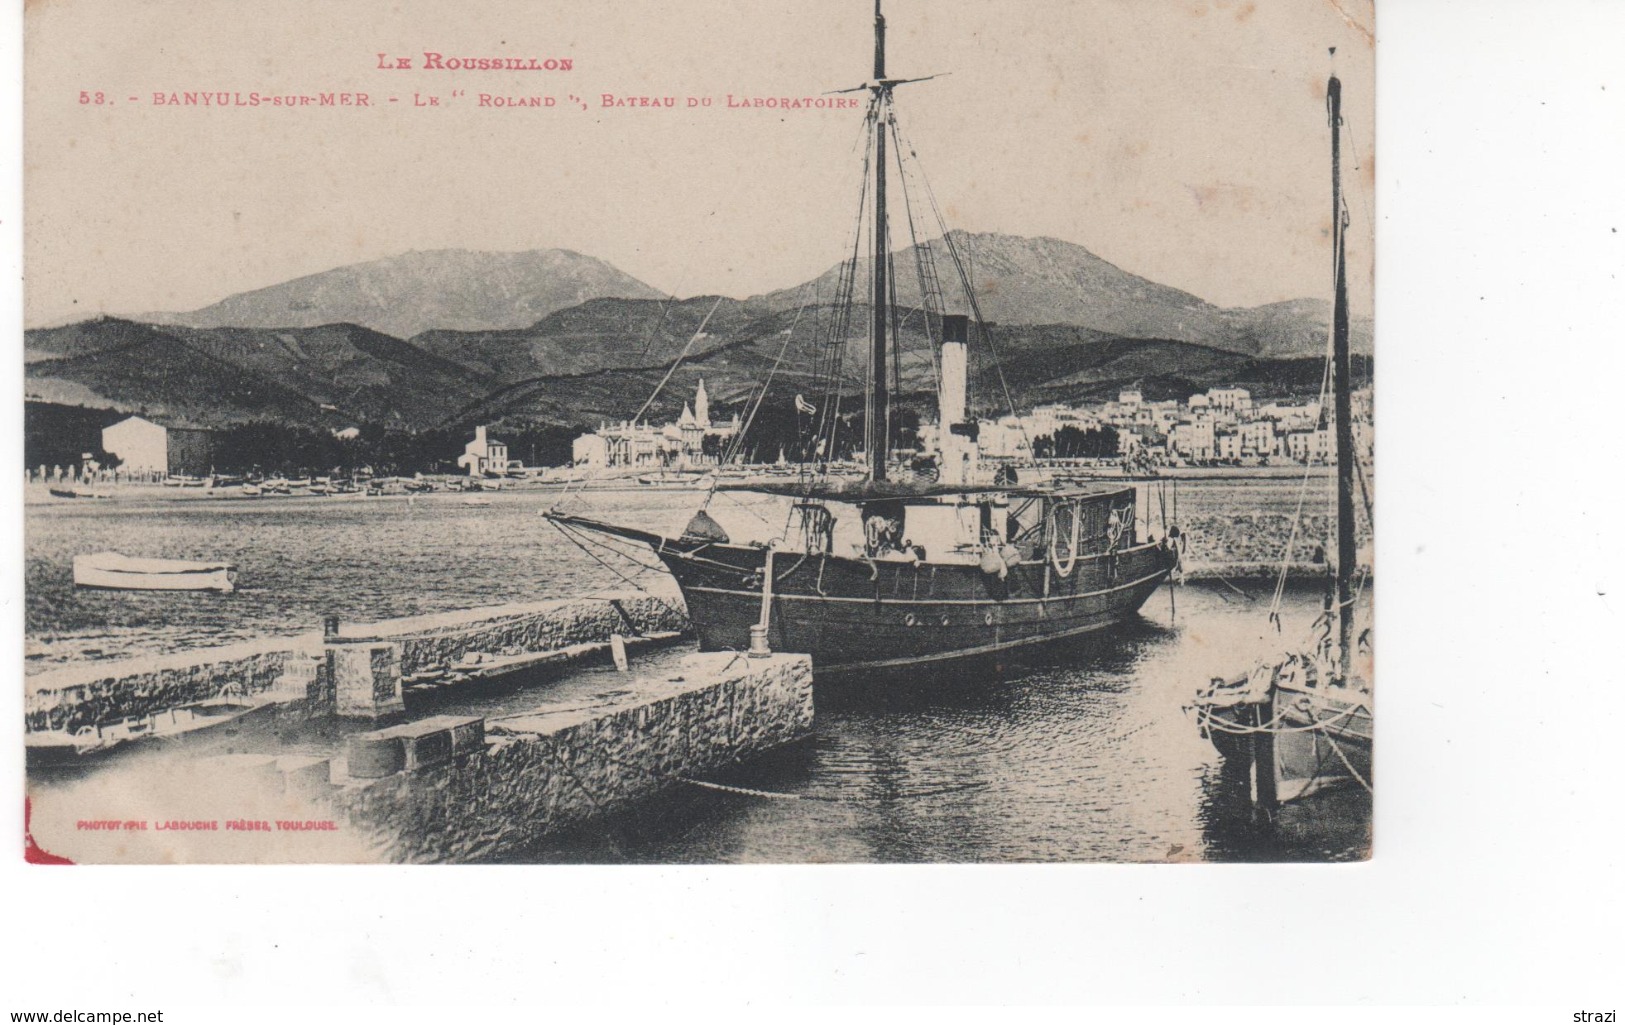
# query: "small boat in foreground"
{"type": "Point", "coordinates": [113, 571]}
{"type": "Point", "coordinates": [48, 748]}
{"type": "Point", "coordinates": [76, 493]}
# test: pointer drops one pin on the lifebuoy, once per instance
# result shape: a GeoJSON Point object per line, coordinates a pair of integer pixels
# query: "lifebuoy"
{"type": "Point", "coordinates": [1072, 545]}
{"type": "Point", "coordinates": [874, 528]}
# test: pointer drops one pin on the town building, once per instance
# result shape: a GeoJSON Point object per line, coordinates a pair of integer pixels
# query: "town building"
{"type": "Point", "coordinates": [1192, 439]}
{"type": "Point", "coordinates": [1311, 446]}
{"type": "Point", "coordinates": [1232, 399]}
{"type": "Point", "coordinates": [1258, 438]}
{"type": "Point", "coordinates": [143, 446]}
{"type": "Point", "coordinates": [484, 454]}
{"type": "Point", "coordinates": [683, 443]}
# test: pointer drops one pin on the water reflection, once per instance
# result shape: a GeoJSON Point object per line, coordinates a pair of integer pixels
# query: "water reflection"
{"type": "Point", "coordinates": [1077, 752]}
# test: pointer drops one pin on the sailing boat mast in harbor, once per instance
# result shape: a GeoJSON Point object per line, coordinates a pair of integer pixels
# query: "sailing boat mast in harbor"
{"type": "Point", "coordinates": [1305, 721]}
{"type": "Point", "coordinates": [1342, 390]}
{"type": "Point", "coordinates": [883, 573]}
{"type": "Point", "coordinates": [877, 425]}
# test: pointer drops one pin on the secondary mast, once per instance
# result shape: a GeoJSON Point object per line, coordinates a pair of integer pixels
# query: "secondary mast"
{"type": "Point", "coordinates": [1342, 384]}
{"type": "Point", "coordinates": [879, 425]}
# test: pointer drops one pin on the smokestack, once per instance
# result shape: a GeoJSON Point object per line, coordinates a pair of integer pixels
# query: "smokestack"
{"type": "Point", "coordinates": [952, 447]}
{"type": "Point", "coordinates": [951, 397]}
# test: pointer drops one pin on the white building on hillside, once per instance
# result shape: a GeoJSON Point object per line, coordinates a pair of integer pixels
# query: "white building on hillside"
{"type": "Point", "coordinates": [1237, 399]}
{"type": "Point", "coordinates": [679, 444]}
{"type": "Point", "coordinates": [140, 444]}
{"type": "Point", "coordinates": [146, 447]}
{"type": "Point", "coordinates": [484, 454]}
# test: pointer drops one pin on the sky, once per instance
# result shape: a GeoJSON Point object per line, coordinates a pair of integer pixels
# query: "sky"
{"type": "Point", "coordinates": [1183, 141]}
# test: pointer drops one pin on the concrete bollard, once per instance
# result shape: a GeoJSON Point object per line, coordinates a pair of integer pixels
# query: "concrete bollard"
{"type": "Point", "coordinates": [414, 746]}
{"type": "Point", "coordinates": [366, 679]}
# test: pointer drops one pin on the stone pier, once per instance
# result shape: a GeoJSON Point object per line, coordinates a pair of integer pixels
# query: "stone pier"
{"type": "Point", "coordinates": [601, 742]}
{"type": "Point", "coordinates": [284, 667]}
{"type": "Point", "coordinates": [478, 782]}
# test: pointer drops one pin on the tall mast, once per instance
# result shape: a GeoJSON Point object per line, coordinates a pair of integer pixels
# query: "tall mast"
{"type": "Point", "coordinates": [879, 432]}
{"type": "Point", "coordinates": [1342, 379]}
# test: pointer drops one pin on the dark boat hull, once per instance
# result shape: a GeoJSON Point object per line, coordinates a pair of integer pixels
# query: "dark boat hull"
{"type": "Point", "coordinates": [855, 615]}
{"type": "Point", "coordinates": [1337, 752]}
{"type": "Point", "coordinates": [1315, 739]}
{"type": "Point", "coordinates": [849, 632]}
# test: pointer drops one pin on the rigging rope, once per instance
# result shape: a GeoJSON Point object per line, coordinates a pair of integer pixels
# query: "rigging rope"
{"type": "Point", "coordinates": [698, 334]}
{"type": "Point", "coordinates": [569, 536]}
{"type": "Point", "coordinates": [836, 340]}
{"type": "Point", "coordinates": [1303, 486]}
{"type": "Point", "coordinates": [924, 263]}
{"type": "Point", "coordinates": [970, 295]}
{"type": "Point", "coordinates": [736, 448]}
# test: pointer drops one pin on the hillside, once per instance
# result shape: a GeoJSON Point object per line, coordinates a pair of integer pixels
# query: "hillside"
{"type": "Point", "coordinates": [596, 335]}
{"type": "Point", "coordinates": [423, 291]}
{"type": "Point", "coordinates": [1041, 363]}
{"type": "Point", "coordinates": [597, 361]}
{"type": "Point", "coordinates": [1035, 281]}
{"type": "Point", "coordinates": [335, 375]}
{"type": "Point", "coordinates": [524, 340]}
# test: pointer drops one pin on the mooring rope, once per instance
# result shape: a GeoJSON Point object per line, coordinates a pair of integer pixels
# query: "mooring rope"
{"type": "Point", "coordinates": [1205, 712]}
{"type": "Point", "coordinates": [778, 795]}
{"type": "Point", "coordinates": [674, 610]}
{"type": "Point", "coordinates": [1349, 766]}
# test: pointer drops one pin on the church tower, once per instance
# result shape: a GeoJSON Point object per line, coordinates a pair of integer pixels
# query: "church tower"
{"type": "Point", "coordinates": [702, 405]}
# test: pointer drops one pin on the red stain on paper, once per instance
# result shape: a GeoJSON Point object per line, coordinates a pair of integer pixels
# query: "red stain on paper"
{"type": "Point", "coordinates": [33, 853]}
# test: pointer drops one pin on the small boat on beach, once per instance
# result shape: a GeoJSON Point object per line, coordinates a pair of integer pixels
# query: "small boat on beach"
{"type": "Point", "coordinates": [112, 571]}
{"type": "Point", "coordinates": [676, 479]}
{"type": "Point", "coordinates": [76, 493]}
{"type": "Point", "coordinates": [47, 748]}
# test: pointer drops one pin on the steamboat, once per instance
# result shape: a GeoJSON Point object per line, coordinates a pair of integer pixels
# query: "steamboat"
{"type": "Point", "coordinates": [909, 564]}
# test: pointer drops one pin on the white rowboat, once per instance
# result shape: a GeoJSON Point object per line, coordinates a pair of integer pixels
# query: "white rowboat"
{"type": "Point", "coordinates": [123, 573]}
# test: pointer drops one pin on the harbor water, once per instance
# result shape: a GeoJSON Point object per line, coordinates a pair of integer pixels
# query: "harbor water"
{"type": "Point", "coordinates": [1078, 752]}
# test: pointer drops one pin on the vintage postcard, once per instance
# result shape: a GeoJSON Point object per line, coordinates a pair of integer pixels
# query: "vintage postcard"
{"type": "Point", "coordinates": [863, 431]}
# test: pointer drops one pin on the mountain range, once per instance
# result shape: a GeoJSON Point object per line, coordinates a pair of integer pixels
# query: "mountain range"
{"type": "Point", "coordinates": [450, 338]}
{"type": "Point", "coordinates": [1020, 280]}
{"type": "Point", "coordinates": [423, 291]}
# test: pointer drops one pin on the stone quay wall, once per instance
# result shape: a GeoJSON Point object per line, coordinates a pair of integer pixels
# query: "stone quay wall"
{"type": "Point", "coordinates": [1251, 544]}
{"type": "Point", "coordinates": [104, 692]}
{"type": "Point", "coordinates": [97, 694]}
{"type": "Point", "coordinates": [561, 765]}
{"type": "Point", "coordinates": [538, 626]}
